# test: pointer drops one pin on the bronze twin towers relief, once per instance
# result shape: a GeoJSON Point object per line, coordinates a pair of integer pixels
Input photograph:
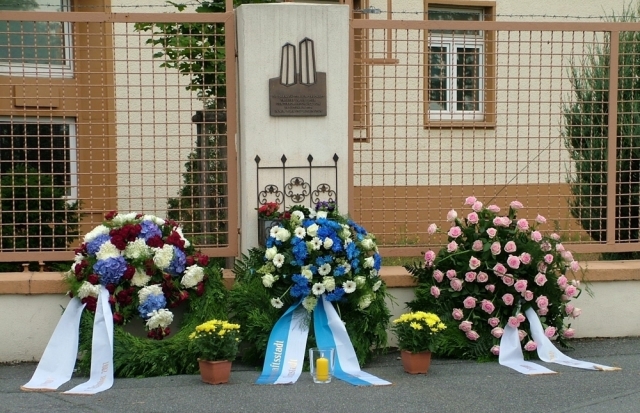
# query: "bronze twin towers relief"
{"type": "Point", "coordinates": [299, 90]}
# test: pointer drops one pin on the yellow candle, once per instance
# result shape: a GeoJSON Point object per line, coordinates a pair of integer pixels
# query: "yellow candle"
{"type": "Point", "coordinates": [322, 369]}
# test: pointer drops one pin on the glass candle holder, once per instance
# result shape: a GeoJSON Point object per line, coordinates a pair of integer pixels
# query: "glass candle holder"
{"type": "Point", "coordinates": [321, 363]}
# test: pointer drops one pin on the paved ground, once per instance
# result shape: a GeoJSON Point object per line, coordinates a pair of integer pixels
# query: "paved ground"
{"type": "Point", "coordinates": [450, 386]}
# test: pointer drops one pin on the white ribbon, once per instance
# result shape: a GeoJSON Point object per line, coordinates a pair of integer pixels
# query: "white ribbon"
{"type": "Point", "coordinates": [58, 360]}
{"type": "Point", "coordinates": [511, 352]}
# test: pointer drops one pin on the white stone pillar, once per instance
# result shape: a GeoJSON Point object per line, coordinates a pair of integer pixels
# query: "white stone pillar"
{"type": "Point", "coordinates": [262, 31]}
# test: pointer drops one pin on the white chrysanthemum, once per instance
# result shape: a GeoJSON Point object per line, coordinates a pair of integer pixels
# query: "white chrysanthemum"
{"type": "Point", "coordinates": [145, 292]}
{"type": "Point", "coordinates": [278, 260]}
{"type": "Point", "coordinates": [163, 256]}
{"type": "Point", "coordinates": [93, 234]}
{"type": "Point", "coordinates": [107, 250]}
{"type": "Point", "coordinates": [269, 253]}
{"type": "Point", "coordinates": [276, 302]}
{"type": "Point", "coordinates": [316, 244]}
{"type": "Point", "coordinates": [306, 272]}
{"type": "Point", "coordinates": [268, 280]}
{"type": "Point", "coordinates": [87, 289]}
{"type": "Point", "coordinates": [328, 243]}
{"type": "Point", "coordinates": [192, 276]}
{"type": "Point", "coordinates": [360, 280]}
{"type": "Point", "coordinates": [187, 243]}
{"type": "Point", "coordinates": [283, 234]}
{"type": "Point", "coordinates": [76, 260]}
{"type": "Point", "coordinates": [329, 283]}
{"type": "Point", "coordinates": [309, 303]}
{"type": "Point", "coordinates": [273, 231]}
{"type": "Point", "coordinates": [368, 262]}
{"type": "Point", "coordinates": [121, 219]}
{"type": "Point", "coordinates": [140, 278]}
{"type": "Point", "coordinates": [137, 249]}
{"type": "Point", "coordinates": [365, 301]}
{"type": "Point", "coordinates": [156, 220]}
{"type": "Point", "coordinates": [324, 269]}
{"type": "Point", "coordinates": [322, 214]}
{"type": "Point", "coordinates": [349, 286]}
{"type": "Point", "coordinates": [367, 244]}
{"type": "Point", "coordinates": [298, 215]}
{"type": "Point", "coordinates": [312, 230]}
{"type": "Point", "coordinates": [377, 285]}
{"type": "Point", "coordinates": [318, 289]}
{"type": "Point", "coordinates": [300, 232]}
{"type": "Point", "coordinates": [159, 318]}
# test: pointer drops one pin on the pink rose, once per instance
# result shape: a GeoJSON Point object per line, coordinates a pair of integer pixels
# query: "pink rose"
{"type": "Point", "coordinates": [469, 302]}
{"type": "Point", "coordinates": [550, 331]}
{"type": "Point", "coordinates": [454, 232]}
{"type": "Point", "coordinates": [513, 322]}
{"type": "Point", "coordinates": [429, 256]}
{"type": "Point", "coordinates": [451, 274]}
{"type": "Point", "coordinates": [548, 258]}
{"type": "Point", "coordinates": [555, 236]}
{"type": "Point", "coordinates": [540, 279]}
{"type": "Point", "coordinates": [499, 269]}
{"type": "Point", "coordinates": [521, 286]}
{"type": "Point", "coordinates": [477, 245]}
{"type": "Point", "coordinates": [482, 277]}
{"type": "Point", "coordinates": [452, 215]}
{"type": "Point", "coordinates": [470, 200]}
{"type": "Point", "coordinates": [497, 332]}
{"type": "Point", "coordinates": [457, 314]}
{"type": "Point", "coordinates": [570, 291]}
{"type": "Point", "coordinates": [470, 277]}
{"type": "Point", "coordinates": [545, 246]}
{"type": "Point", "coordinates": [472, 335]}
{"type": "Point", "coordinates": [497, 221]}
{"type": "Point", "coordinates": [495, 350]}
{"type": "Point", "coordinates": [564, 298]}
{"type": "Point", "coordinates": [536, 236]}
{"type": "Point", "coordinates": [452, 246]}
{"type": "Point", "coordinates": [542, 302]}
{"type": "Point", "coordinates": [569, 333]}
{"type": "Point", "coordinates": [487, 306]}
{"type": "Point", "coordinates": [567, 256]}
{"type": "Point", "coordinates": [494, 321]}
{"type": "Point", "coordinates": [510, 247]}
{"type": "Point", "coordinates": [521, 334]}
{"type": "Point", "coordinates": [575, 266]}
{"type": "Point", "coordinates": [513, 262]}
{"type": "Point", "coordinates": [525, 257]}
{"type": "Point", "coordinates": [506, 221]}
{"type": "Point", "coordinates": [568, 309]}
{"type": "Point", "coordinates": [438, 275]}
{"type": "Point", "coordinates": [496, 248]}
{"type": "Point", "coordinates": [530, 346]}
{"type": "Point", "coordinates": [477, 206]}
{"type": "Point", "coordinates": [540, 219]}
{"type": "Point", "coordinates": [516, 205]}
{"type": "Point", "coordinates": [522, 224]}
{"type": "Point", "coordinates": [456, 284]}
{"type": "Point", "coordinates": [542, 311]}
{"type": "Point", "coordinates": [562, 282]}
{"type": "Point", "coordinates": [494, 208]}
{"type": "Point", "coordinates": [474, 263]}
{"type": "Point", "coordinates": [490, 287]}
{"type": "Point", "coordinates": [559, 247]}
{"type": "Point", "coordinates": [576, 312]}
{"type": "Point", "coordinates": [542, 267]}
{"type": "Point", "coordinates": [508, 280]}
{"type": "Point", "coordinates": [473, 218]}
{"type": "Point", "coordinates": [432, 229]}
{"type": "Point", "coordinates": [435, 291]}
{"type": "Point", "coordinates": [492, 232]}
{"type": "Point", "coordinates": [466, 326]}
{"type": "Point", "coordinates": [528, 295]}
{"type": "Point", "coordinates": [507, 299]}
{"type": "Point", "coordinates": [520, 317]}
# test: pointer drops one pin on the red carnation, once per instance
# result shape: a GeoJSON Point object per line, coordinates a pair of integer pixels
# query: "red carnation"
{"type": "Point", "coordinates": [109, 215]}
{"type": "Point", "coordinates": [190, 261]}
{"type": "Point", "coordinates": [82, 249]}
{"type": "Point", "coordinates": [118, 318]}
{"type": "Point", "coordinates": [184, 295]}
{"type": "Point", "coordinates": [80, 266]}
{"type": "Point", "coordinates": [203, 260]}
{"type": "Point", "coordinates": [110, 287]}
{"type": "Point", "coordinates": [200, 289]}
{"type": "Point", "coordinates": [93, 279]}
{"type": "Point", "coordinates": [90, 302]}
{"type": "Point", "coordinates": [129, 272]}
{"type": "Point", "coordinates": [124, 297]}
{"type": "Point", "coordinates": [175, 239]}
{"type": "Point", "coordinates": [119, 242]}
{"type": "Point", "coordinates": [155, 242]}
{"type": "Point", "coordinates": [112, 300]}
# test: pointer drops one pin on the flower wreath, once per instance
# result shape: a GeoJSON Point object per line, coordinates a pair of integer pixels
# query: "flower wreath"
{"type": "Point", "coordinates": [147, 266]}
{"type": "Point", "coordinates": [310, 253]}
{"type": "Point", "coordinates": [492, 270]}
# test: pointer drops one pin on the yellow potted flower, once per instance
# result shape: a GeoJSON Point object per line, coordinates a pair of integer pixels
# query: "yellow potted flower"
{"type": "Point", "coordinates": [216, 342]}
{"type": "Point", "coordinates": [415, 332]}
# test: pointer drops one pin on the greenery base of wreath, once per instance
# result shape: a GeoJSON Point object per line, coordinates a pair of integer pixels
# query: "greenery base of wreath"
{"type": "Point", "coordinates": [250, 307]}
{"type": "Point", "coordinates": [143, 357]}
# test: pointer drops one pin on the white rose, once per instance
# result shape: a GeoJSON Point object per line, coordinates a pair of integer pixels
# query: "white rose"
{"type": "Point", "coordinates": [270, 253]}
{"type": "Point", "coordinates": [306, 272]}
{"type": "Point", "coordinates": [368, 262]}
{"type": "Point", "coordinates": [365, 302]}
{"type": "Point", "coordinates": [312, 230]}
{"type": "Point", "coordinates": [299, 215]}
{"type": "Point", "coordinates": [329, 283]}
{"type": "Point", "coordinates": [367, 244]}
{"type": "Point", "coordinates": [328, 243]}
{"type": "Point", "coordinates": [283, 234]}
{"type": "Point", "coordinates": [360, 280]}
{"type": "Point", "coordinates": [377, 285]}
{"type": "Point", "coordinates": [268, 280]}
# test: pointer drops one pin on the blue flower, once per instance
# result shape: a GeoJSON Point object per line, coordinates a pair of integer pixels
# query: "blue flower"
{"type": "Point", "coordinates": [300, 290]}
{"type": "Point", "coordinates": [377, 261]}
{"type": "Point", "coordinates": [337, 244]}
{"type": "Point", "coordinates": [299, 279]}
{"type": "Point", "coordinates": [300, 252]}
{"type": "Point", "coordinates": [152, 303]}
{"type": "Point", "coordinates": [110, 270]}
{"type": "Point", "coordinates": [94, 246]}
{"type": "Point", "coordinates": [357, 228]}
{"type": "Point", "coordinates": [339, 271]}
{"type": "Point", "coordinates": [355, 263]}
{"type": "Point", "coordinates": [178, 263]}
{"type": "Point", "coordinates": [149, 230]}
{"type": "Point", "coordinates": [352, 250]}
{"type": "Point", "coordinates": [336, 295]}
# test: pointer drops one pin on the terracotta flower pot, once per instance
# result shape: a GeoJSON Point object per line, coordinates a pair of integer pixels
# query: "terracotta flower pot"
{"type": "Point", "coordinates": [215, 372]}
{"type": "Point", "coordinates": [416, 363]}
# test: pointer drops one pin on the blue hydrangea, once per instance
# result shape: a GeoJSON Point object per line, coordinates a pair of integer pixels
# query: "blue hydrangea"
{"type": "Point", "coordinates": [178, 263]}
{"type": "Point", "coordinates": [110, 270]}
{"type": "Point", "coordinates": [149, 230]}
{"type": "Point", "coordinates": [152, 303]}
{"type": "Point", "coordinates": [94, 245]}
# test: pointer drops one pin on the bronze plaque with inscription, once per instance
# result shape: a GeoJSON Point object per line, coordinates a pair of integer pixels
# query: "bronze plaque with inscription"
{"type": "Point", "coordinates": [300, 90]}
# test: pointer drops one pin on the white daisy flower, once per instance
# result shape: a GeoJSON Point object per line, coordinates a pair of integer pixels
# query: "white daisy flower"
{"type": "Point", "coordinates": [377, 285]}
{"type": "Point", "coordinates": [276, 302]}
{"type": "Point", "coordinates": [268, 280]}
{"type": "Point", "coordinates": [300, 232]}
{"type": "Point", "coordinates": [349, 286]}
{"type": "Point", "coordinates": [140, 278]}
{"type": "Point", "coordinates": [328, 243]}
{"type": "Point", "coordinates": [318, 289]}
{"type": "Point", "coordinates": [309, 303]}
{"type": "Point", "coordinates": [273, 231]}
{"type": "Point", "coordinates": [324, 269]}
{"type": "Point", "coordinates": [278, 260]}
{"type": "Point", "coordinates": [329, 283]}
{"type": "Point", "coordinates": [316, 243]}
